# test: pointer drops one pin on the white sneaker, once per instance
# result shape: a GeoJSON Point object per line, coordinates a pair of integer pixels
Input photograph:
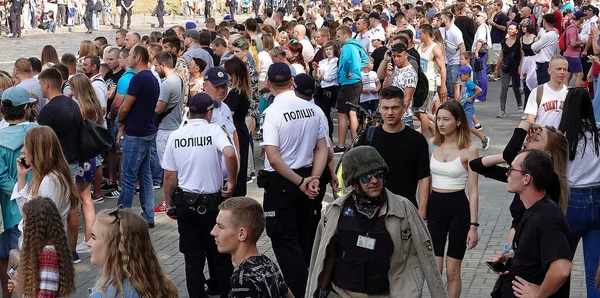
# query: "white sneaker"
{"type": "Point", "coordinates": [82, 248]}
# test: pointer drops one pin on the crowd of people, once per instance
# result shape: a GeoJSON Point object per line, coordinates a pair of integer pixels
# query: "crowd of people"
{"type": "Point", "coordinates": [185, 107]}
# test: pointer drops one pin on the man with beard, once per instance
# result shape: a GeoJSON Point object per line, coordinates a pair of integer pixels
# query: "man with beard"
{"type": "Point", "coordinates": [374, 230]}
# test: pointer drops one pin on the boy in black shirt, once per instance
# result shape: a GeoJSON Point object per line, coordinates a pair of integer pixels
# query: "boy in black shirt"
{"type": "Point", "coordinates": [540, 265]}
{"type": "Point", "coordinates": [239, 225]}
{"type": "Point", "coordinates": [403, 149]}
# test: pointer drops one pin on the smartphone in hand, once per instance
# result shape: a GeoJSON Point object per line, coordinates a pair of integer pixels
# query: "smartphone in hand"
{"type": "Point", "coordinates": [498, 267]}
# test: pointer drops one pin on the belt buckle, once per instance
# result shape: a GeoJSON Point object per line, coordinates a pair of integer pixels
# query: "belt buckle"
{"type": "Point", "coordinates": [202, 208]}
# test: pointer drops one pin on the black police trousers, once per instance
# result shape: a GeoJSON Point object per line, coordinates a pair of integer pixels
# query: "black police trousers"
{"type": "Point", "coordinates": [196, 244]}
{"type": "Point", "coordinates": [14, 20]}
{"type": "Point", "coordinates": [289, 215]}
{"type": "Point", "coordinates": [160, 12]}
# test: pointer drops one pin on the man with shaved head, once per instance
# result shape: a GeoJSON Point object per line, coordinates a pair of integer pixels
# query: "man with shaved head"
{"type": "Point", "coordinates": [308, 52]}
{"type": "Point", "coordinates": [22, 72]}
{"type": "Point", "coordinates": [131, 40]}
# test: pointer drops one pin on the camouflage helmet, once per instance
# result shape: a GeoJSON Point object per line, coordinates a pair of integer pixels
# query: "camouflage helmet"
{"type": "Point", "coordinates": [359, 161]}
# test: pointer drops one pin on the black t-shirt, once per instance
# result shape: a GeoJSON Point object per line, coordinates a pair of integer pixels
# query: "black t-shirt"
{"type": "Point", "coordinates": [62, 114]}
{"type": "Point", "coordinates": [407, 157]}
{"type": "Point", "coordinates": [216, 58]}
{"type": "Point", "coordinates": [113, 77]}
{"type": "Point", "coordinates": [543, 236]}
{"type": "Point", "coordinates": [259, 277]}
{"type": "Point", "coordinates": [467, 27]}
{"type": "Point", "coordinates": [238, 103]}
{"type": "Point", "coordinates": [378, 56]}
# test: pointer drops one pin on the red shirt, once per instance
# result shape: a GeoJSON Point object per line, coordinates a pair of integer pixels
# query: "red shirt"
{"type": "Point", "coordinates": [558, 21]}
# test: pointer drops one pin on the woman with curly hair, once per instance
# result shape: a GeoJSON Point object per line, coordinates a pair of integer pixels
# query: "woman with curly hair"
{"type": "Point", "coordinates": [50, 173]}
{"type": "Point", "coordinates": [45, 269]}
{"type": "Point", "coordinates": [90, 109]}
{"type": "Point", "coordinates": [294, 55]}
{"type": "Point", "coordinates": [122, 249]}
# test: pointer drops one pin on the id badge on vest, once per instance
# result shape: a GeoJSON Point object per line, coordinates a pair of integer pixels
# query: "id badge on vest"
{"type": "Point", "coordinates": [365, 242]}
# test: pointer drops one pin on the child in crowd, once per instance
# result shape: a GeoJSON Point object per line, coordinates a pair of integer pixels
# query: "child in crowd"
{"type": "Point", "coordinates": [469, 93]}
{"type": "Point", "coordinates": [51, 21]}
{"type": "Point", "coordinates": [465, 59]}
{"type": "Point", "coordinates": [371, 86]}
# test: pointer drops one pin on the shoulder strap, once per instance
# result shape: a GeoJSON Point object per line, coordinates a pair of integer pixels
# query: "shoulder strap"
{"type": "Point", "coordinates": [370, 134]}
{"type": "Point", "coordinates": [431, 149]}
{"type": "Point", "coordinates": [540, 93]}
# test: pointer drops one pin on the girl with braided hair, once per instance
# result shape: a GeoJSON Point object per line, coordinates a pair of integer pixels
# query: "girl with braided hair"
{"type": "Point", "coordinates": [45, 268]}
{"type": "Point", "coordinates": [122, 248]}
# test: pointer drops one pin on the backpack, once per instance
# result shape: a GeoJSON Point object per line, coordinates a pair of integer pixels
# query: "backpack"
{"type": "Point", "coordinates": [562, 42]}
{"type": "Point", "coordinates": [422, 90]}
{"type": "Point", "coordinates": [98, 6]}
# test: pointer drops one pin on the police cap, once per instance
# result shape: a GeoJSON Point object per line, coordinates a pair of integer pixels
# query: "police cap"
{"type": "Point", "coordinates": [201, 103]}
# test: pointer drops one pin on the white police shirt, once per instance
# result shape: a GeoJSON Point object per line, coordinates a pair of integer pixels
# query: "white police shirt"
{"type": "Point", "coordinates": [195, 152]}
{"type": "Point", "coordinates": [294, 126]}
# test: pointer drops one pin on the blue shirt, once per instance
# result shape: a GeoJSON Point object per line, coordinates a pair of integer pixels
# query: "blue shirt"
{"type": "Point", "coordinates": [145, 88]}
{"type": "Point", "coordinates": [468, 91]}
{"type": "Point", "coordinates": [128, 289]}
{"type": "Point", "coordinates": [123, 83]}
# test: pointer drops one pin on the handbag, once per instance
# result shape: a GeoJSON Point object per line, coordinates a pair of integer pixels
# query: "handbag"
{"type": "Point", "coordinates": [484, 47]}
{"type": "Point", "coordinates": [477, 65]}
{"type": "Point", "coordinates": [14, 257]}
{"type": "Point", "coordinates": [93, 139]}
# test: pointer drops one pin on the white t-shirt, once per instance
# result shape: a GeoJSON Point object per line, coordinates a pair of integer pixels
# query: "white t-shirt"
{"type": "Point", "coordinates": [101, 92]}
{"type": "Point", "coordinates": [551, 106]}
{"type": "Point", "coordinates": [293, 125]}
{"type": "Point", "coordinates": [452, 39]}
{"type": "Point", "coordinates": [308, 51]}
{"type": "Point", "coordinates": [196, 150]}
{"type": "Point", "coordinates": [369, 81]}
{"type": "Point", "coordinates": [584, 170]}
{"type": "Point", "coordinates": [482, 34]}
{"type": "Point", "coordinates": [265, 61]}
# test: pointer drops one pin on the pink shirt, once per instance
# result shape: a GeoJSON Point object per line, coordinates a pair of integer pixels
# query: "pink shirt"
{"type": "Point", "coordinates": [571, 34]}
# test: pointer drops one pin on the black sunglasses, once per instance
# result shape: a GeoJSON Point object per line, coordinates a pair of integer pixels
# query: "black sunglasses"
{"type": "Point", "coordinates": [510, 169]}
{"type": "Point", "coordinates": [115, 212]}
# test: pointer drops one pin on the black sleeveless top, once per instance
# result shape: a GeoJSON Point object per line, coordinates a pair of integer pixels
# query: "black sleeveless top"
{"type": "Point", "coordinates": [360, 269]}
{"type": "Point", "coordinates": [527, 51]}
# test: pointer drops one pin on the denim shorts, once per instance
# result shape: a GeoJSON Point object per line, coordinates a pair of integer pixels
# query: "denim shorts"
{"type": "Point", "coordinates": [469, 110]}
{"type": "Point", "coordinates": [9, 239]}
{"type": "Point", "coordinates": [574, 65]}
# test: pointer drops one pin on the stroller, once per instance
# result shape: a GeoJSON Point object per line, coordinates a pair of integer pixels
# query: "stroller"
{"type": "Point", "coordinates": [245, 6]}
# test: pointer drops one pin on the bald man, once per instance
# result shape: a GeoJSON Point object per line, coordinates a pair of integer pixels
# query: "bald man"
{"type": "Point", "coordinates": [526, 13]}
{"type": "Point", "coordinates": [308, 52]}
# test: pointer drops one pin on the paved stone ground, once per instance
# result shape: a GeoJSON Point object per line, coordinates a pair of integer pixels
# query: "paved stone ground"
{"type": "Point", "coordinates": [494, 199]}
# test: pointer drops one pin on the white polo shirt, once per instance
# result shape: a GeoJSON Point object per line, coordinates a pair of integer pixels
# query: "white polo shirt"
{"type": "Point", "coordinates": [195, 152]}
{"type": "Point", "coordinates": [294, 126]}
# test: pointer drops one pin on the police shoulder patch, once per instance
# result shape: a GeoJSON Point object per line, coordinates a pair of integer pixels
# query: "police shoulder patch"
{"type": "Point", "coordinates": [428, 245]}
{"type": "Point", "coordinates": [406, 234]}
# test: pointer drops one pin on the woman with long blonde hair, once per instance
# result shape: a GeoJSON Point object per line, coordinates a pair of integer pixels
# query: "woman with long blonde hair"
{"type": "Point", "coordinates": [90, 109]}
{"type": "Point", "coordinates": [45, 253]}
{"type": "Point", "coordinates": [450, 214]}
{"type": "Point", "coordinates": [50, 173]}
{"type": "Point", "coordinates": [122, 249]}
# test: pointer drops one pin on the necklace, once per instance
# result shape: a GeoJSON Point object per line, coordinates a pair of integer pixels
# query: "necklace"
{"type": "Point", "coordinates": [446, 156]}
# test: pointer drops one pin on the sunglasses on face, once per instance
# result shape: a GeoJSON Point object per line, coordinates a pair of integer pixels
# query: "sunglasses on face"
{"type": "Point", "coordinates": [510, 169]}
{"type": "Point", "coordinates": [365, 179]}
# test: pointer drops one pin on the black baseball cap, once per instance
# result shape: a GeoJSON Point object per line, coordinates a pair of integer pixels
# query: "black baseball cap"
{"type": "Point", "coordinates": [375, 15]}
{"type": "Point", "coordinates": [399, 47]}
{"type": "Point", "coordinates": [279, 72]}
{"type": "Point", "coordinates": [201, 103]}
{"type": "Point", "coordinates": [304, 84]}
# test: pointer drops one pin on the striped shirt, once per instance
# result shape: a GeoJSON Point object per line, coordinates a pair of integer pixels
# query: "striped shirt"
{"type": "Point", "coordinates": [49, 272]}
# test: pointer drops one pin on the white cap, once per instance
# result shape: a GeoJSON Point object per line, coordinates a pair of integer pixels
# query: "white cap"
{"type": "Point", "coordinates": [377, 35]}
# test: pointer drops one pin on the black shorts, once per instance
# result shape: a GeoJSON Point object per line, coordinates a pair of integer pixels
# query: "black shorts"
{"type": "Point", "coordinates": [349, 93]}
{"type": "Point", "coordinates": [448, 216]}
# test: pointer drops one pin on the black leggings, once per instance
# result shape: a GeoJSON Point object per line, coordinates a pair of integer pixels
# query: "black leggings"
{"type": "Point", "coordinates": [448, 216]}
{"type": "Point", "coordinates": [326, 101]}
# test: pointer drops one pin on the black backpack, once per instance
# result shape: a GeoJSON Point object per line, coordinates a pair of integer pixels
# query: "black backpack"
{"type": "Point", "coordinates": [422, 89]}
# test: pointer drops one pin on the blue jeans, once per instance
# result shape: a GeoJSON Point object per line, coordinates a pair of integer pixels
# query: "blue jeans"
{"type": "Point", "coordinates": [136, 166]}
{"type": "Point", "coordinates": [155, 168]}
{"type": "Point", "coordinates": [451, 78]}
{"type": "Point", "coordinates": [584, 221]}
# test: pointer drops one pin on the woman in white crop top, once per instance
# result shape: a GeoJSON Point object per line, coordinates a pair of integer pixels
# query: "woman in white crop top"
{"type": "Point", "coordinates": [449, 213]}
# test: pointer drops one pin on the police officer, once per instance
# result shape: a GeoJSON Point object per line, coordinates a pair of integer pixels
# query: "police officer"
{"type": "Point", "coordinates": [14, 18]}
{"type": "Point", "coordinates": [296, 154]}
{"type": "Point", "coordinates": [160, 12]}
{"type": "Point", "coordinates": [193, 180]}
{"type": "Point", "coordinates": [376, 239]}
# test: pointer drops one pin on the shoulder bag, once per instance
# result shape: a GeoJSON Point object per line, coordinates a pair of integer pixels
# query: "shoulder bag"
{"type": "Point", "coordinates": [92, 140]}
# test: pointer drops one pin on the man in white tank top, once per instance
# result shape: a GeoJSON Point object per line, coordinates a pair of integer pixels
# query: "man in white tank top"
{"type": "Point", "coordinates": [433, 65]}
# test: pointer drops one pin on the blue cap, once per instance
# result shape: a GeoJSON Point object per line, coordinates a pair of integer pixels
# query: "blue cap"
{"type": "Point", "coordinates": [578, 15]}
{"type": "Point", "coordinates": [201, 103]}
{"type": "Point", "coordinates": [227, 17]}
{"type": "Point", "coordinates": [17, 96]}
{"type": "Point", "coordinates": [279, 73]}
{"type": "Point", "coordinates": [465, 69]}
{"type": "Point", "coordinates": [304, 84]}
{"type": "Point", "coordinates": [310, 5]}
{"type": "Point", "coordinates": [190, 25]}
{"type": "Point", "coordinates": [216, 76]}
{"type": "Point", "coordinates": [355, 2]}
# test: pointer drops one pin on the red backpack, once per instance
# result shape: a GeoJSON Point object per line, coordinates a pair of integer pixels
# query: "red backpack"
{"type": "Point", "coordinates": [562, 42]}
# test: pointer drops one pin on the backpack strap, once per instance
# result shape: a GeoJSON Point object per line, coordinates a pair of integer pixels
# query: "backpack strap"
{"type": "Point", "coordinates": [540, 93]}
